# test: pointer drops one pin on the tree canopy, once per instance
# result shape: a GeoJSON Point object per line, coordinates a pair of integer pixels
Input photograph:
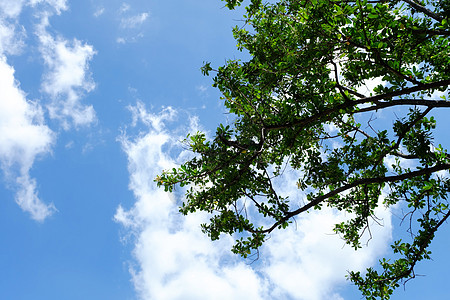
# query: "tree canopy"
{"type": "Point", "coordinates": [298, 103]}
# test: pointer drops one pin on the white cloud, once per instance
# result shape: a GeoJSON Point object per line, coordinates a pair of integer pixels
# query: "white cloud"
{"type": "Point", "coordinates": [133, 21]}
{"type": "Point", "coordinates": [11, 38]}
{"type": "Point", "coordinates": [130, 24]}
{"type": "Point", "coordinates": [57, 5]}
{"type": "Point", "coordinates": [202, 90]}
{"type": "Point", "coordinates": [11, 33]}
{"type": "Point", "coordinates": [390, 161]}
{"type": "Point", "coordinates": [129, 39]}
{"type": "Point", "coordinates": [369, 85]}
{"type": "Point", "coordinates": [140, 114]}
{"type": "Point", "coordinates": [124, 8]}
{"type": "Point", "coordinates": [176, 261]}
{"type": "Point", "coordinates": [28, 199]}
{"type": "Point", "coordinates": [99, 12]}
{"type": "Point", "coordinates": [23, 135]}
{"type": "Point", "coordinates": [11, 8]}
{"type": "Point", "coordinates": [316, 259]}
{"type": "Point", "coordinates": [68, 77]}
{"type": "Point", "coordinates": [23, 138]}
{"type": "Point", "coordinates": [440, 95]}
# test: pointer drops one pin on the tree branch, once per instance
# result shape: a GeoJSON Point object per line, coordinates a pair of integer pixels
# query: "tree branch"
{"type": "Point", "coordinates": [405, 91]}
{"type": "Point", "coordinates": [356, 183]}
{"type": "Point", "coordinates": [424, 10]}
{"type": "Point", "coordinates": [415, 102]}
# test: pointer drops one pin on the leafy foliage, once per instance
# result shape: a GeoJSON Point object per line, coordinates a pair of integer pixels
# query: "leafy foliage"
{"type": "Point", "coordinates": [309, 61]}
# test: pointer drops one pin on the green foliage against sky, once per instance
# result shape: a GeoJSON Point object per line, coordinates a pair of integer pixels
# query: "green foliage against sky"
{"type": "Point", "coordinates": [299, 103]}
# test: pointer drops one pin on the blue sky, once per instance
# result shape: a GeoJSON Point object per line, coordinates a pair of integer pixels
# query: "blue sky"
{"type": "Point", "coordinates": [94, 99]}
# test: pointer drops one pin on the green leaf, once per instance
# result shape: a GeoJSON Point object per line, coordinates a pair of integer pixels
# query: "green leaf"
{"type": "Point", "coordinates": [301, 114]}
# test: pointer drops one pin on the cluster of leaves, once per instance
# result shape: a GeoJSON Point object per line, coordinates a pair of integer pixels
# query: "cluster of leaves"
{"type": "Point", "coordinates": [309, 59]}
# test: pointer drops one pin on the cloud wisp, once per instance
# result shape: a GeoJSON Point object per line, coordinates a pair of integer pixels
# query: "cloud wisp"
{"type": "Point", "coordinates": [174, 260]}
{"type": "Point", "coordinates": [67, 78]}
{"type": "Point", "coordinates": [130, 24]}
{"type": "Point", "coordinates": [100, 11]}
{"type": "Point", "coordinates": [50, 6]}
{"type": "Point", "coordinates": [133, 21]}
